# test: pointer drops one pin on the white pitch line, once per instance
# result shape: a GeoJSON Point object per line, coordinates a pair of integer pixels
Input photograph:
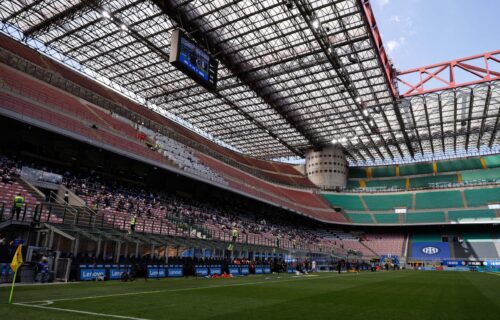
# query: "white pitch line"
{"type": "Point", "coordinates": [185, 289]}
{"type": "Point", "coordinates": [79, 311]}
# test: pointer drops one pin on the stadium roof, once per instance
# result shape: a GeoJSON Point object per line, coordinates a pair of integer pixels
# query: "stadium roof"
{"type": "Point", "coordinates": [292, 74]}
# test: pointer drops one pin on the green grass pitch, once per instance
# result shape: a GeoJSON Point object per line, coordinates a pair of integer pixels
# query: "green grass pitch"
{"type": "Point", "coordinates": [383, 295]}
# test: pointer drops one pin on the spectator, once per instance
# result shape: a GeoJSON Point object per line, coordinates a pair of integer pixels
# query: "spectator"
{"type": "Point", "coordinates": [18, 205]}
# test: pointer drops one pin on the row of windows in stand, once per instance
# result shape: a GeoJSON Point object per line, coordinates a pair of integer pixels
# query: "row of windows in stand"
{"type": "Point", "coordinates": [327, 163]}
{"type": "Point", "coordinates": [325, 156]}
{"type": "Point", "coordinates": [325, 171]}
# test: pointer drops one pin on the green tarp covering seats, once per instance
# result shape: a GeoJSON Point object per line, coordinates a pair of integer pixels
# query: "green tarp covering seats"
{"type": "Point", "coordinates": [387, 201]}
{"type": "Point", "coordinates": [429, 181]}
{"type": "Point", "coordinates": [419, 168]}
{"type": "Point", "coordinates": [345, 201]}
{"type": "Point", "coordinates": [384, 171]}
{"type": "Point", "coordinates": [459, 165]}
{"type": "Point", "coordinates": [386, 218]}
{"type": "Point", "coordinates": [438, 199]}
{"type": "Point", "coordinates": [492, 161]}
{"type": "Point", "coordinates": [360, 217]}
{"type": "Point", "coordinates": [481, 197]}
{"type": "Point", "coordinates": [425, 217]}
{"type": "Point", "coordinates": [457, 215]}
{"type": "Point", "coordinates": [357, 173]}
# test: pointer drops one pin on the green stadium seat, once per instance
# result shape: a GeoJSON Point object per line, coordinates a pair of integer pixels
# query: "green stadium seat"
{"type": "Point", "coordinates": [386, 218]}
{"type": "Point", "coordinates": [481, 197]}
{"type": "Point", "coordinates": [360, 217]}
{"type": "Point", "coordinates": [492, 161]}
{"type": "Point", "coordinates": [425, 217]}
{"type": "Point", "coordinates": [483, 175]}
{"type": "Point", "coordinates": [419, 168]}
{"type": "Point", "coordinates": [345, 201]}
{"type": "Point", "coordinates": [384, 171]}
{"type": "Point", "coordinates": [352, 184]}
{"type": "Point", "coordinates": [426, 237]}
{"type": "Point", "coordinates": [357, 172]}
{"type": "Point", "coordinates": [438, 199]}
{"type": "Point", "coordinates": [387, 202]}
{"type": "Point", "coordinates": [430, 181]}
{"type": "Point", "coordinates": [459, 164]}
{"type": "Point", "coordinates": [387, 184]}
{"type": "Point", "coordinates": [457, 215]}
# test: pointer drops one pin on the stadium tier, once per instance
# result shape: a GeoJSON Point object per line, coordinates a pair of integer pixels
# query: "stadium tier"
{"type": "Point", "coordinates": [258, 159]}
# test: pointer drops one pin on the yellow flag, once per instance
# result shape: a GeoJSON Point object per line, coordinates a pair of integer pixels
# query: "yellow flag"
{"type": "Point", "coordinates": [17, 261]}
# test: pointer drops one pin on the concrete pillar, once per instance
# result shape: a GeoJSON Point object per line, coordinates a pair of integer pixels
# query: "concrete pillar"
{"type": "Point", "coordinates": [117, 251]}
{"type": "Point", "coordinates": [76, 244]}
{"type": "Point", "coordinates": [327, 168]}
{"type": "Point", "coordinates": [137, 249]}
{"type": "Point", "coordinates": [104, 249]}
{"type": "Point", "coordinates": [98, 250]}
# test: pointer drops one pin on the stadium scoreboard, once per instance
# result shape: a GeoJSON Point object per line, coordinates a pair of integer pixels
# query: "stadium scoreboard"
{"type": "Point", "coordinates": [194, 61]}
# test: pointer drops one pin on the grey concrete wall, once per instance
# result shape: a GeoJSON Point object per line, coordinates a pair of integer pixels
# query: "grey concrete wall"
{"type": "Point", "coordinates": [327, 168]}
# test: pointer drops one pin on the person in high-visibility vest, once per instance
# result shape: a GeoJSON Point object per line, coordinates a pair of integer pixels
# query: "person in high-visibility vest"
{"type": "Point", "coordinates": [234, 234]}
{"type": "Point", "coordinates": [18, 205]}
{"type": "Point", "coordinates": [133, 221]}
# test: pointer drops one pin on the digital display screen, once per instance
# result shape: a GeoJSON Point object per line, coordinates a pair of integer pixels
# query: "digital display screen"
{"type": "Point", "coordinates": [194, 58]}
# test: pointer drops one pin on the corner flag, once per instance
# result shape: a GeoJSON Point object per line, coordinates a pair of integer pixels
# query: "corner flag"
{"type": "Point", "coordinates": [17, 262]}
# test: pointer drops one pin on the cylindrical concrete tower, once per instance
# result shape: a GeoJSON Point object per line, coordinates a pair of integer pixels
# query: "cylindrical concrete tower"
{"type": "Point", "coordinates": [327, 168]}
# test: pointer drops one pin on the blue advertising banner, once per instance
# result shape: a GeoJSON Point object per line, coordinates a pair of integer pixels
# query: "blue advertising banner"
{"type": "Point", "coordinates": [430, 251]}
{"type": "Point", "coordinates": [245, 270]}
{"type": "Point", "coordinates": [156, 271]}
{"type": "Point", "coordinates": [116, 273]}
{"type": "Point", "coordinates": [216, 270]}
{"type": "Point", "coordinates": [92, 273]}
{"type": "Point", "coordinates": [234, 270]}
{"type": "Point", "coordinates": [291, 270]}
{"type": "Point", "coordinates": [267, 269]}
{"type": "Point", "coordinates": [201, 271]}
{"type": "Point", "coordinates": [5, 269]}
{"type": "Point", "coordinates": [175, 271]}
{"type": "Point", "coordinates": [259, 270]}
{"type": "Point", "coordinates": [454, 263]}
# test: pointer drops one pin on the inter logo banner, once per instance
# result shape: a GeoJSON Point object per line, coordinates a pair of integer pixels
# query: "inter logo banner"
{"type": "Point", "coordinates": [430, 250]}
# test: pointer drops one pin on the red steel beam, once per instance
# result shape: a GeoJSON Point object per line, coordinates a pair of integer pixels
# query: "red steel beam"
{"type": "Point", "coordinates": [445, 72]}
{"type": "Point", "coordinates": [379, 47]}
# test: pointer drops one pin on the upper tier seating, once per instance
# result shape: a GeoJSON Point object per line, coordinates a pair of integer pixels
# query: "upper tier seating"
{"type": "Point", "coordinates": [481, 197]}
{"type": "Point", "coordinates": [56, 114]}
{"type": "Point", "coordinates": [432, 181]}
{"type": "Point", "coordinates": [439, 199]}
{"type": "Point", "coordinates": [383, 218]}
{"type": "Point", "coordinates": [345, 201]}
{"type": "Point", "coordinates": [483, 175]}
{"type": "Point", "coordinates": [427, 168]}
{"type": "Point", "coordinates": [360, 218]}
{"type": "Point", "coordinates": [425, 217]}
{"type": "Point", "coordinates": [478, 214]}
{"type": "Point", "coordinates": [387, 201]}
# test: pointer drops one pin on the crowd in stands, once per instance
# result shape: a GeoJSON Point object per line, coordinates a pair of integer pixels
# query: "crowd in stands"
{"type": "Point", "coordinates": [110, 197]}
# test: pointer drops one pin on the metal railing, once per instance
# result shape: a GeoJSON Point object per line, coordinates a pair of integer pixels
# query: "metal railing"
{"type": "Point", "coordinates": [60, 214]}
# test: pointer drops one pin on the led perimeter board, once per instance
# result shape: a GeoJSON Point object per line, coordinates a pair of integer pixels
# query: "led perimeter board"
{"type": "Point", "coordinates": [195, 62]}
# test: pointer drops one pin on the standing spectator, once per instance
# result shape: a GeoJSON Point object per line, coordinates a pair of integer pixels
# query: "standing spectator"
{"type": "Point", "coordinates": [133, 221]}
{"type": "Point", "coordinates": [18, 205]}
{"type": "Point", "coordinates": [66, 197]}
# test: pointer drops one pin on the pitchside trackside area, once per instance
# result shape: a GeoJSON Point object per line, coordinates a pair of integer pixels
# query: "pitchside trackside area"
{"type": "Point", "coordinates": [384, 295]}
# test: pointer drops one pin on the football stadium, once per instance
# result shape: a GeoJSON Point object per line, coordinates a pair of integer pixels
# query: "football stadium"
{"type": "Point", "coordinates": [237, 159]}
